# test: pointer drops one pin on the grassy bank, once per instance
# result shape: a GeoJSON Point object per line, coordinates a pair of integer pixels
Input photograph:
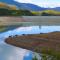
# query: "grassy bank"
{"type": "Point", "coordinates": [48, 44]}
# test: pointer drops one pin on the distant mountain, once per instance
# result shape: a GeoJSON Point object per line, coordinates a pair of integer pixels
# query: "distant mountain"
{"type": "Point", "coordinates": [30, 7]}
{"type": "Point", "coordinates": [57, 9]}
{"type": "Point", "coordinates": [26, 6]}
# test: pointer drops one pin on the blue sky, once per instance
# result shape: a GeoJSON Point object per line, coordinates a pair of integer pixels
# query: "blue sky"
{"type": "Point", "coordinates": [43, 3]}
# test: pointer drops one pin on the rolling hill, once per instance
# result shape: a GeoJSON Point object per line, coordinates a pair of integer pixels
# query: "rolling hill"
{"type": "Point", "coordinates": [56, 8]}
{"type": "Point", "coordinates": [34, 9]}
{"type": "Point", "coordinates": [26, 6]}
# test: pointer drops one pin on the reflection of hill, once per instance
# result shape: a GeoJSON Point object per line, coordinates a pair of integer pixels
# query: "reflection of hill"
{"type": "Point", "coordinates": [6, 28]}
{"type": "Point", "coordinates": [38, 41]}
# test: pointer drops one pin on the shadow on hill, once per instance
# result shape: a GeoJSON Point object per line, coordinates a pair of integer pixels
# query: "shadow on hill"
{"type": "Point", "coordinates": [7, 12]}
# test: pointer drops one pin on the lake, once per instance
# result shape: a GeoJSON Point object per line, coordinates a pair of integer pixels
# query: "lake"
{"type": "Point", "coordinates": [30, 20]}
{"type": "Point", "coordinates": [9, 52]}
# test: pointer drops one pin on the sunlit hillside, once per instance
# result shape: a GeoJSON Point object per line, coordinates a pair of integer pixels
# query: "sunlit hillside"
{"type": "Point", "coordinates": [7, 9]}
{"type": "Point", "coordinates": [10, 7]}
{"type": "Point", "coordinates": [52, 12]}
{"type": "Point", "coordinates": [47, 12]}
{"type": "Point", "coordinates": [12, 10]}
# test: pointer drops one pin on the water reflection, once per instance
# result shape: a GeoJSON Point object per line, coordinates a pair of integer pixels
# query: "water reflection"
{"type": "Point", "coordinates": [46, 29]}
{"type": "Point", "coordinates": [9, 52]}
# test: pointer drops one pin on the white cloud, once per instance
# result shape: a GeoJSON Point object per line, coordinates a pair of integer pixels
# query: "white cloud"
{"type": "Point", "coordinates": [49, 4]}
{"type": "Point", "coordinates": [42, 3]}
{"type": "Point", "coordinates": [24, 1]}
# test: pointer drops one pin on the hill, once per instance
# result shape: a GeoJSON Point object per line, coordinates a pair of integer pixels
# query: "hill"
{"type": "Point", "coordinates": [33, 9]}
{"type": "Point", "coordinates": [12, 10]}
{"type": "Point", "coordinates": [47, 13]}
{"type": "Point", "coordinates": [26, 6]}
{"type": "Point", "coordinates": [7, 6]}
{"type": "Point", "coordinates": [56, 8]}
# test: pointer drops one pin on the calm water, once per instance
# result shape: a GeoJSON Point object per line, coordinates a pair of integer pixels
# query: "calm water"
{"type": "Point", "coordinates": [9, 52]}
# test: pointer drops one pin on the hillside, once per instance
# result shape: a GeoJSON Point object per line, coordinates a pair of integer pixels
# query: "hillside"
{"type": "Point", "coordinates": [7, 6]}
{"type": "Point", "coordinates": [25, 6]}
{"type": "Point", "coordinates": [12, 10]}
{"type": "Point", "coordinates": [47, 13]}
{"type": "Point", "coordinates": [28, 6]}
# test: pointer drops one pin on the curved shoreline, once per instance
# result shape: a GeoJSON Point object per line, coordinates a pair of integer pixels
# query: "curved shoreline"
{"type": "Point", "coordinates": [36, 41]}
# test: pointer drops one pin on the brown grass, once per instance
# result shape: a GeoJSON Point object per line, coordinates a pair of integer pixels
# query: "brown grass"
{"type": "Point", "coordinates": [37, 41]}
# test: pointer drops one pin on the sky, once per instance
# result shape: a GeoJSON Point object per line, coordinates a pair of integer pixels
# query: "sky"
{"type": "Point", "coordinates": [43, 3]}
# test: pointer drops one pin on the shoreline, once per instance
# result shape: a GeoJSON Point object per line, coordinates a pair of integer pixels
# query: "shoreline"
{"type": "Point", "coordinates": [37, 42]}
